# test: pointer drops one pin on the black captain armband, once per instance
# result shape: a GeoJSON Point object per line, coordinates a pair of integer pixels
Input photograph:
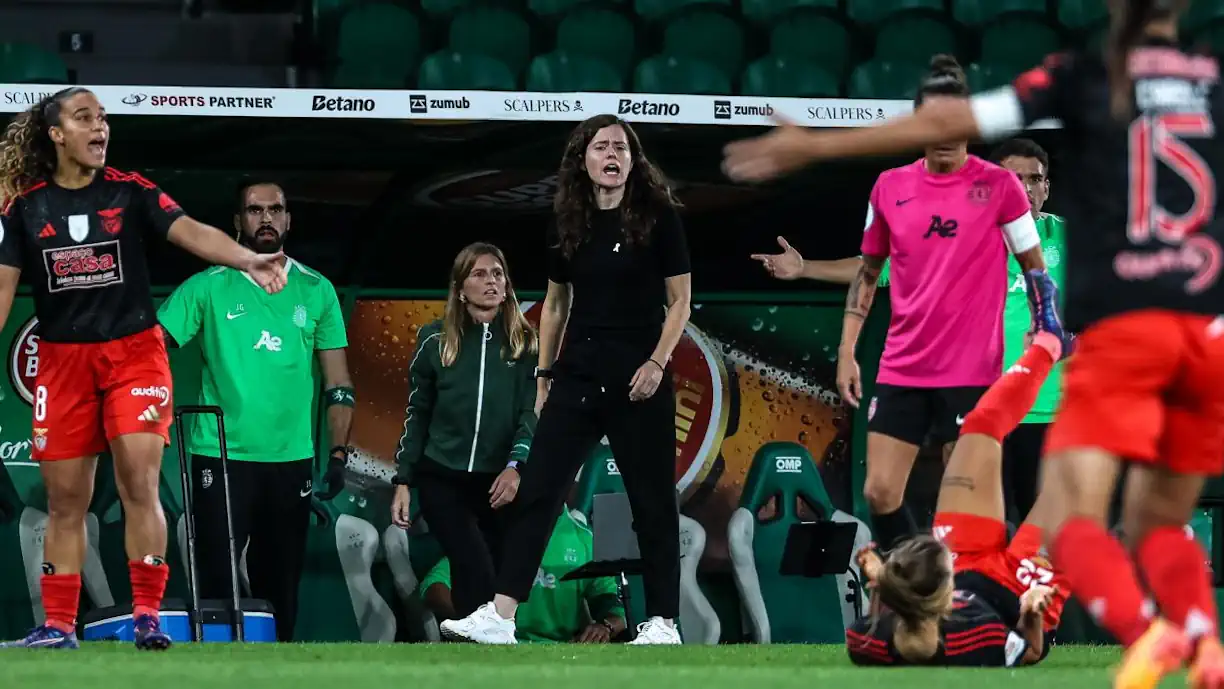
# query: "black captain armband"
{"type": "Point", "coordinates": [344, 396]}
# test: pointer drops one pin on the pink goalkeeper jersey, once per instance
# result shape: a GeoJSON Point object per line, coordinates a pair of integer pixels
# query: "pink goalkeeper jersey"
{"type": "Point", "coordinates": [943, 235]}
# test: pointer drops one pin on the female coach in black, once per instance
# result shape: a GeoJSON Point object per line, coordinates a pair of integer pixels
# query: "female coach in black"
{"type": "Point", "coordinates": [470, 419]}
{"type": "Point", "coordinates": [619, 288]}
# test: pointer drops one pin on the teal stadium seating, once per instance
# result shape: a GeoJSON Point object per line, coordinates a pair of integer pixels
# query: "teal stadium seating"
{"type": "Point", "coordinates": [599, 33]}
{"type": "Point", "coordinates": [493, 32]}
{"type": "Point", "coordinates": [769, 11]}
{"type": "Point", "coordinates": [812, 37]}
{"type": "Point", "coordinates": [27, 64]}
{"type": "Point", "coordinates": [378, 46]}
{"type": "Point", "coordinates": [561, 71]}
{"type": "Point", "coordinates": [784, 48]}
{"type": "Point", "coordinates": [914, 38]}
{"type": "Point", "coordinates": [708, 36]}
{"type": "Point", "coordinates": [671, 74]}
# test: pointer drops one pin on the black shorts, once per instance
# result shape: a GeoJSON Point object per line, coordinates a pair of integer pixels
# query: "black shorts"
{"type": "Point", "coordinates": [912, 415]}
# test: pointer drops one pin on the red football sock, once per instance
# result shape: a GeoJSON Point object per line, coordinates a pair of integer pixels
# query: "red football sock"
{"type": "Point", "coordinates": [61, 594]}
{"type": "Point", "coordinates": [1101, 576]}
{"type": "Point", "coordinates": [1011, 397]}
{"type": "Point", "coordinates": [148, 586]}
{"type": "Point", "coordinates": [1175, 568]}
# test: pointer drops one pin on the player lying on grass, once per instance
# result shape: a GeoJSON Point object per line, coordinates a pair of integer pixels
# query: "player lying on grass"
{"type": "Point", "coordinates": [965, 595]}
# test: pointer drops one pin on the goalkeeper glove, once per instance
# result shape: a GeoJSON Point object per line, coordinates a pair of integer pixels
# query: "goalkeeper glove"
{"type": "Point", "coordinates": [333, 478]}
{"type": "Point", "coordinates": [1043, 298]}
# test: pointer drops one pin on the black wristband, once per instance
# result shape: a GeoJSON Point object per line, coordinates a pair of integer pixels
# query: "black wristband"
{"type": "Point", "coordinates": [609, 627]}
{"type": "Point", "coordinates": [339, 448]}
{"type": "Point", "coordinates": [661, 367]}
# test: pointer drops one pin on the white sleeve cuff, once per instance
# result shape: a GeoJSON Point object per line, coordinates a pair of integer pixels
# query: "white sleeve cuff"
{"type": "Point", "coordinates": [997, 113]}
{"type": "Point", "coordinates": [1021, 234]}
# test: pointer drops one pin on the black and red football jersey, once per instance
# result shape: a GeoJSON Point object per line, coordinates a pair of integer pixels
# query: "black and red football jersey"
{"type": "Point", "coordinates": [84, 252]}
{"type": "Point", "coordinates": [1140, 196]}
{"type": "Point", "coordinates": [972, 635]}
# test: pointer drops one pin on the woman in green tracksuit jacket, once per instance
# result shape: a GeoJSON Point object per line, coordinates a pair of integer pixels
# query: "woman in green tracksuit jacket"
{"type": "Point", "coordinates": [470, 418]}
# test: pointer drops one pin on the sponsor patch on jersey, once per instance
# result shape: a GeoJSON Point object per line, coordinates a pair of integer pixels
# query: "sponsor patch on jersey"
{"type": "Point", "coordinates": [83, 267]}
{"type": "Point", "coordinates": [23, 361]}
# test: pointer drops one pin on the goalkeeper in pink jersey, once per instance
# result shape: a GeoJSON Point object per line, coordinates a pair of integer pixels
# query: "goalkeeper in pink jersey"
{"type": "Point", "coordinates": [946, 222]}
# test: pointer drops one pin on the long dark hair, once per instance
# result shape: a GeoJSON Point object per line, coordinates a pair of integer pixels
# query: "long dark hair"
{"type": "Point", "coordinates": [946, 78]}
{"type": "Point", "coordinates": [1129, 19]}
{"type": "Point", "coordinates": [647, 192]}
{"type": "Point", "coordinates": [27, 153]}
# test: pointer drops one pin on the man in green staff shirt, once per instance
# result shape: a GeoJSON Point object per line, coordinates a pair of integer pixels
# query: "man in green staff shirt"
{"type": "Point", "coordinates": [258, 352]}
{"type": "Point", "coordinates": [582, 610]}
{"type": "Point", "coordinates": [1021, 449]}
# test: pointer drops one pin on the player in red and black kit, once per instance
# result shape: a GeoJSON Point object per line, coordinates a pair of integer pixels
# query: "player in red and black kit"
{"type": "Point", "coordinates": [968, 595]}
{"type": "Point", "coordinates": [1144, 259]}
{"type": "Point", "coordinates": [79, 230]}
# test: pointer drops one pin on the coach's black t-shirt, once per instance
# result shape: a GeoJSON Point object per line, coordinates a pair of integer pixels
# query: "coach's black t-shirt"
{"type": "Point", "coordinates": [618, 286]}
{"type": "Point", "coordinates": [973, 635]}
{"type": "Point", "coordinates": [1141, 197]}
{"type": "Point", "coordinates": [84, 250]}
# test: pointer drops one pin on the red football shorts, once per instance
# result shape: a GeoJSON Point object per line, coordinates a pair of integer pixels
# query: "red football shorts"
{"type": "Point", "coordinates": [87, 394]}
{"type": "Point", "coordinates": [1147, 386]}
{"type": "Point", "coordinates": [979, 544]}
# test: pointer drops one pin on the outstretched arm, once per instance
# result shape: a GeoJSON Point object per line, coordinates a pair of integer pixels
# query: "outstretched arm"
{"type": "Point", "coordinates": [217, 247]}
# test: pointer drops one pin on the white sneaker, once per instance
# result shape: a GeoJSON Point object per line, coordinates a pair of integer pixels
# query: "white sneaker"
{"type": "Point", "coordinates": [655, 632]}
{"type": "Point", "coordinates": [484, 626]}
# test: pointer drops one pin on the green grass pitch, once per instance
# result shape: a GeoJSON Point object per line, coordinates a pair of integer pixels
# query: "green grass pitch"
{"type": "Point", "coordinates": [107, 665]}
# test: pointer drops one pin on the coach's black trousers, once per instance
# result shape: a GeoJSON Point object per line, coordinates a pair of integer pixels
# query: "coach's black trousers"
{"type": "Point", "coordinates": [456, 507]}
{"type": "Point", "coordinates": [589, 399]}
{"type": "Point", "coordinates": [270, 508]}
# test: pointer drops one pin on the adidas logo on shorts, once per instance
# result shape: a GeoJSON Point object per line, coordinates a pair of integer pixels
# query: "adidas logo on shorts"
{"type": "Point", "coordinates": [150, 414]}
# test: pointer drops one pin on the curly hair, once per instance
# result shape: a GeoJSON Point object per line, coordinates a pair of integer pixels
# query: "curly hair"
{"type": "Point", "coordinates": [648, 194]}
{"type": "Point", "coordinates": [27, 153]}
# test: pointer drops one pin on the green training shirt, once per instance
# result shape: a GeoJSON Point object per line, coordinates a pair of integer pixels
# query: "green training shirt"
{"type": "Point", "coordinates": [1017, 318]}
{"type": "Point", "coordinates": [555, 610]}
{"type": "Point", "coordinates": [258, 352]}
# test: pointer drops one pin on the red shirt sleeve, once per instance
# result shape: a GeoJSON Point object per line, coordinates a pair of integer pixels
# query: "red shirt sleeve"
{"type": "Point", "coordinates": [876, 234]}
{"type": "Point", "coordinates": [1044, 91]}
{"type": "Point", "coordinates": [152, 205]}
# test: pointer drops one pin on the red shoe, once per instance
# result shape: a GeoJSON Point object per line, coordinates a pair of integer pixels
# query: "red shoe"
{"type": "Point", "coordinates": [1207, 670]}
{"type": "Point", "coordinates": [1161, 650]}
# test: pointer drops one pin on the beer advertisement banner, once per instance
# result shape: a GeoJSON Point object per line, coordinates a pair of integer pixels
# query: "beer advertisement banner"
{"type": "Point", "coordinates": [745, 374]}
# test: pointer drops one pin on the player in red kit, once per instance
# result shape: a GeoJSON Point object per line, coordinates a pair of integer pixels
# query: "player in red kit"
{"type": "Point", "coordinates": [79, 229]}
{"type": "Point", "coordinates": [1144, 257]}
{"type": "Point", "coordinates": [979, 598]}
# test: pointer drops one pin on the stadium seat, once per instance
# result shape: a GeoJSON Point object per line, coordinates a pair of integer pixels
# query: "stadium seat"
{"type": "Point", "coordinates": [783, 77]}
{"type": "Point", "coordinates": [492, 31]}
{"type": "Point", "coordinates": [1020, 42]}
{"type": "Point", "coordinates": [26, 64]}
{"type": "Point", "coordinates": [656, 10]}
{"type": "Point", "coordinates": [380, 38]}
{"type": "Point", "coordinates": [670, 74]}
{"type": "Point", "coordinates": [913, 39]}
{"type": "Point", "coordinates": [983, 77]}
{"type": "Point", "coordinates": [449, 70]}
{"type": "Point", "coordinates": [1082, 14]}
{"type": "Point", "coordinates": [769, 11]}
{"type": "Point", "coordinates": [813, 37]}
{"type": "Point", "coordinates": [446, 8]}
{"type": "Point", "coordinates": [561, 71]}
{"type": "Point", "coordinates": [876, 11]}
{"type": "Point", "coordinates": [708, 36]}
{"type": "Point", "coordinates": [981, 12]}
{"type": "Point", "coordinates": [781, 608]}
{"type": "Point", "coordinates": [879, 79]}
{"type": "Point", "coordinates": [599, 33]}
